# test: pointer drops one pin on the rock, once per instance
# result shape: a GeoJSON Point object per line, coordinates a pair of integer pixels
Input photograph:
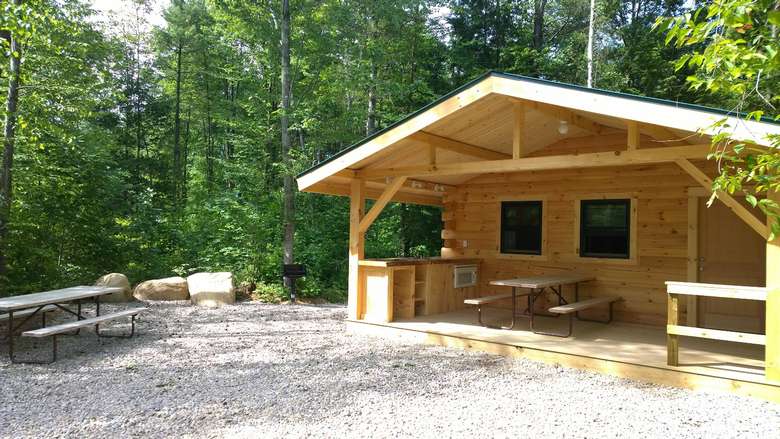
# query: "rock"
{"type": "Point", "coordinates": [170, 288]}
{"type": "Point", "coordinates": [116, 280]}
{"type": "Point", "coordinates": [211, 289]}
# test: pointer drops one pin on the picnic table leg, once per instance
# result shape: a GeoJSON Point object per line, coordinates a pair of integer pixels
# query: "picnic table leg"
{"type": "Point", "coordinates": [97, 313]}
{"type": "Point", "coordinates": [514, 310]}
{"type": "Point", "coordinates": [11, 336]}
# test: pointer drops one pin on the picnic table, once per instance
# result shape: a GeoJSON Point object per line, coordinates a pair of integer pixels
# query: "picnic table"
{"type": "Point", "coordinates": [29, 305]}
{"type": "Point", "coordinates": [535, 286]}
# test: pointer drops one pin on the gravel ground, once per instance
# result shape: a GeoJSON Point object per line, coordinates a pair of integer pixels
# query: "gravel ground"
{"type": "Point", "coordinates": [257, 370]}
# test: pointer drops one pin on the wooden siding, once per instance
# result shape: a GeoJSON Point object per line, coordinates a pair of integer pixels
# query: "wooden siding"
{"type": "Point", "coordinates": [661, 199]}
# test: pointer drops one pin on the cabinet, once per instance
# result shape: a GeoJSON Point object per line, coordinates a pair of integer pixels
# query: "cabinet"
{"type": "Point", "coordinates": [404, 288]}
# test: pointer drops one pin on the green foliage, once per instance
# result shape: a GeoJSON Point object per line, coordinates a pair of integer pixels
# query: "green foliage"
{"type": "Point", "coordinates": [110, 176]}
{"type": "Point", "coordinates": [736, 56]}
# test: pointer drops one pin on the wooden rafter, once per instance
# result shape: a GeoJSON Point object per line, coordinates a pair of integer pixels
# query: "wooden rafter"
{"type": "Point", "coordinates": [380, 204]}
{"type": "Point", "coordinates": [740, 210]}
{"type": "Point", "coordinates": [457, 146]}
{"type": "Point", "coordinates": [662, 134]}
{"type": "Point", "coordinates": [570, 161]}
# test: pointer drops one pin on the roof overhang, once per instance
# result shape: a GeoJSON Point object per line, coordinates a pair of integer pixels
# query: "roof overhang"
{"type": "Point", "coordinates": [476, 122]}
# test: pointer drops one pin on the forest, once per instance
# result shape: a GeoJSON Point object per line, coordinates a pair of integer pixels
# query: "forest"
{"type": "Point", "coordinates": [155, 146]}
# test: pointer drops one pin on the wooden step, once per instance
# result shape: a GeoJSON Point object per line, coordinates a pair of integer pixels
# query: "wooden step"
{"type": "Point", "coordinates": [67, 327]}
{"type": "Point", "coordinates": [583, 304]}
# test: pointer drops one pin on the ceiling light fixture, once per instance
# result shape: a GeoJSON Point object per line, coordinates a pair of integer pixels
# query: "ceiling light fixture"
{"type": "Point", "coordinates": [563, 127]}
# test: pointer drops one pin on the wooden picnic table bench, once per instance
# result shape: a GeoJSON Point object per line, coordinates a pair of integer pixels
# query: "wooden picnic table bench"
{"type": "Point", "coordinates": [573, 310]}
{"type": "Point", "coordinates": [480, 301]}
{"type": "Point", "coordinates": [29, 305]}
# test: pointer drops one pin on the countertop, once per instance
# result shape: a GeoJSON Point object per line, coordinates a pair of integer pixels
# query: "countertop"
{"type": "Point", "coordinates": [400, 262]}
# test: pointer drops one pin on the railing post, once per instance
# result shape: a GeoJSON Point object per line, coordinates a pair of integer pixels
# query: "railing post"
{"type": "Point", "coordinates": [672, 340]}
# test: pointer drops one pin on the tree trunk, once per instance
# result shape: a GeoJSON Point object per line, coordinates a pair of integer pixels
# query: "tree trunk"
{"type": "Point", "coordinates": [371, 117]}
{"type": "Point", "coordinates": [289, 189]}
{"type": "Point", "coordinates": [9, 141]}
{"type": "Point", "coordinates": [177, 168]}
{"type": "Point", "coordinates": [591, 25]}
{"type": "Point", "coordinates": [538, 37]}
{"type": "Point", "coordinates": [208, 123]}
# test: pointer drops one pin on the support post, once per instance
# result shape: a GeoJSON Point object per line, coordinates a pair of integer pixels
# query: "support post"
{"type": "Point", "coordinates": [772, 352]}
{"type": "Point", "coordinates": [672, 340]}
{"type": "Point", "coordinates": [518, 130]}
{"type": "Point", "coordinates": [357, 205]}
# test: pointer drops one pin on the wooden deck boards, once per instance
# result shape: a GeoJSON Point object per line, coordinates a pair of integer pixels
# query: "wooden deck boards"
{"type": "Point", "coordinates": [620, 349]}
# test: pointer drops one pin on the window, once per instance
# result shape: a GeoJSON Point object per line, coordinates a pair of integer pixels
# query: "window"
{"type": "Point", "coordinates": [521, 227]}
{"type": "Point", "coordinates": [604, 228]}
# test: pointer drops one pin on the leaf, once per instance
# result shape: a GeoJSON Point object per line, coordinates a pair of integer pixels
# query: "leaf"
{"type": "Point", "coordinates": [773, 17]}
{"type": "Point", "coordinates": [751, 199]}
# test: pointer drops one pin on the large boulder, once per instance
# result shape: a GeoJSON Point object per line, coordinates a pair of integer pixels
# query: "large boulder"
{"type": "Point", "coordinates": [211, 289]}
{"type": "Point", "coordinates": [116, 280]}
{"type": "Point", "coordinates": [170, 288]}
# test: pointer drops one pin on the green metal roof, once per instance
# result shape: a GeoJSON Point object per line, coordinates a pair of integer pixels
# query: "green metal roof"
{"type": "Point", "coordinates": [516, 77]}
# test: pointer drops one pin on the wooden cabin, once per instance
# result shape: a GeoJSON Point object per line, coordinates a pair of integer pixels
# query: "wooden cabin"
{"type": "Point", "coordinates": [537, 177]}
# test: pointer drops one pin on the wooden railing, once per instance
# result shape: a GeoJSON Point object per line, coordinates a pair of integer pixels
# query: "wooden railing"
{"type": "Point", "coordinates": [674, 329]}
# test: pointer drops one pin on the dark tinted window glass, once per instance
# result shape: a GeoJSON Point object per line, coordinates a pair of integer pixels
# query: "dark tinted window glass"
{"type": "Point", "coordinates": [521, 227]}
{"type": "Point", "coordinates": [604, 228]}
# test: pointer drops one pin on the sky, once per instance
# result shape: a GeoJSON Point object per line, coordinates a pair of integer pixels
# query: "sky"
{"type": "Point", "coordinates": [127, 7]}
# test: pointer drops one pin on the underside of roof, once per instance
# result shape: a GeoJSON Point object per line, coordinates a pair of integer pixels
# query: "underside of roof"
{"type": "Point", "coordinates": [489, 119]}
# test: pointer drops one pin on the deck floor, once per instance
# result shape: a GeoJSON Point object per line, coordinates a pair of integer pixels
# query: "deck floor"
{"type": "Point", "coordinates": [615, 342]}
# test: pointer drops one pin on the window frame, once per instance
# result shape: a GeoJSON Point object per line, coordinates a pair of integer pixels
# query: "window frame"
{"type": "Point", "coordinates": [630, 235]}
{"type": "Point", "coordinates": [542, 254]}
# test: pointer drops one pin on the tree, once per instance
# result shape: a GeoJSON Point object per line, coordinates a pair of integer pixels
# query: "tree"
{"type": "Point", "coordinates": [9, 128]}
{"type": "Point", "coordinates": [736, 54]}
{"type": "Point", "coordinates": [591, 25]}
{"type": "Point", "coordinates": [289, 182]}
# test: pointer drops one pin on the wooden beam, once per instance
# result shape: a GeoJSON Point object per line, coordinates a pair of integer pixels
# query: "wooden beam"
{"type": "Point", "coordinates": [458, 146]}
{"type": "Point", "coordinates": [715, 334]}
{"type": "Point", "coordinates": [633, 134]}
{"type": "Point", "coordinates": [740, 210]}
{"type": "Point", "coordinates": [380, 203]}
{"type": "Point", "coordinates": [569, 161]}
{"type": "Point", "coordinates": [431, 154]}
{"type": "Point", "coordinates": [357, 205]}
{"type": "Point", "coordinates": [772, 353]}
{"type": "Point", "coordinates": [518, 130]}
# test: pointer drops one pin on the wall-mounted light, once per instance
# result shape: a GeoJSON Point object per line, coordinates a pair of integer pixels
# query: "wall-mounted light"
{"type": "Point", "coordinates": [563, 127]}
{"type": "Point", "coordinates": [417, 184]}
{"type": "Point", "coordinates": [439, 188]}
{"type": "Point", "coordinates": [388, 180]}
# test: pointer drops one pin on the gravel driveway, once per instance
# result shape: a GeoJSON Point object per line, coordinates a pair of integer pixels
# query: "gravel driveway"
{"type": "Point", "coordinates": [257, 370]}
